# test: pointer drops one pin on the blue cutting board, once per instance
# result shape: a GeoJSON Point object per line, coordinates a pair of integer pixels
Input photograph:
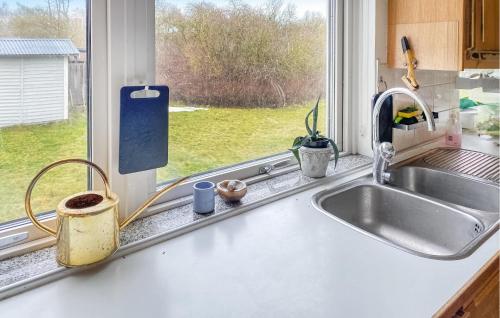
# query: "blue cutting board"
{"type": "Point", "coordinates": [143, 129]}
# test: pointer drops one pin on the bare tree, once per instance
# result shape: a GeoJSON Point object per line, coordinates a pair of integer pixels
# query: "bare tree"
{"type": "Point", "coordinates": [51, 21]}
{"type": "Point", "coordinates": [240, 55]}
{"type": "Point", "coordinates": [4, 19]}
{"type": "Point", "coordinates": [58, 12]}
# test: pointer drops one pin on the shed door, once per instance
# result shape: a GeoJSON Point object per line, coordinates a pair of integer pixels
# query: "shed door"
{"type": "Point", "coordinates": [10, 91]}
{"type": "Point", "coordinates": [32, 90]}
{"type": "Point", "coordinates": [43, 89]}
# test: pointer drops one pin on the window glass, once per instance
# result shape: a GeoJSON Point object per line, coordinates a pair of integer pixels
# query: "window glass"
{"type": "Point", "coordinates": [43, 101]}
{"type": "Point", "coordinates": [480, 110]}
{"type": "Point", "coordinates": [242, 77]}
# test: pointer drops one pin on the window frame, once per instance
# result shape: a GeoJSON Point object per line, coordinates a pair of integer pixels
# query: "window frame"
{"type": "Point", "coordinates": [120, 46]}
{"type": "Point", "coordinates": [23, 228]}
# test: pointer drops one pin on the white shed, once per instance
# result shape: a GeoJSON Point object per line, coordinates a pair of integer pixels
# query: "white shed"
{"type": "Point", "coordinates": [34, 80]}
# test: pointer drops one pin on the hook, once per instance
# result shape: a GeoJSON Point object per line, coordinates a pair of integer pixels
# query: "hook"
{"type": "Point", "coordinates": [380, 82]}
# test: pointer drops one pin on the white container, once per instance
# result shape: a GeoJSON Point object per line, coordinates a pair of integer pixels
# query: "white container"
{"type": "Point", "coordinates": [468, 118]}
{"type": "Point", "coordinates": [314, 161]}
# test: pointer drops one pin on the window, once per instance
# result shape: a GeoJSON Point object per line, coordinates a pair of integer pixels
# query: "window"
{"type": "Point", "coordinates": [238, 94]}
{"type": "Point", "coordinates": [242, 76]}
{"type": "Point", "coordinates": [480, 110]}
{"type": "Point", "coordinates": [43, 102]}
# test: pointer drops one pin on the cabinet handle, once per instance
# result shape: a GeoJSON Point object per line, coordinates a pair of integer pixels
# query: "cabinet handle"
{"type": "Point", "coordinates": [461, 313]}
{"type": "Point", "coordinates": [472, 25]}
{"type": "Point", "coordinates": [482, 21]}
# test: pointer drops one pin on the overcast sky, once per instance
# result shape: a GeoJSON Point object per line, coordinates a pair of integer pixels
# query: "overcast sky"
{"type": "Point", "coordinates": [301, 5]}
{"type": "Point", "coordinates": [32, 3]}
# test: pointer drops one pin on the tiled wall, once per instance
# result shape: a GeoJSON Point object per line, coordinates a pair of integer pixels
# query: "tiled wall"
{"type": "Point", "coordinates": [438, 90]}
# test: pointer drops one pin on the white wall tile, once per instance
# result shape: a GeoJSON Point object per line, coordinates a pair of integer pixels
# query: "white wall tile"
{"type": "Point", "coordinates": [437, 88]}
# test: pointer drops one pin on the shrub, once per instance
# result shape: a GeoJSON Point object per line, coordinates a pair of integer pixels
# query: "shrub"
{"type": "Point", "coordinates": [240, 55]}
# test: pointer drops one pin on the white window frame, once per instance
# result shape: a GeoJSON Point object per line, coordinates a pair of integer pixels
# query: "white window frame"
{"type": "Point", "coordinates": [121, 45]}
{"type": "Point", "coordinates": [31, 238]}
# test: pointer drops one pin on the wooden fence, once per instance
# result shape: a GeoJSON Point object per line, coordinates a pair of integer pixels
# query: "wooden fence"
{"type": "Point", "coordinates": [77, 84]}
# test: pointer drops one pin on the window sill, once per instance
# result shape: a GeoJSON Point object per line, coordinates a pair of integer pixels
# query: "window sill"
{"type": "Point", "coordinates": [33, 269]}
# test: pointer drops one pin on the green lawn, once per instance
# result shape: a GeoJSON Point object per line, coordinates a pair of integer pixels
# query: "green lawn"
{"type": "Point", "coordinates": [24, 150]}
{"type": "Point", "coordinates": [205, 140]}
{"type": "Point", "coordinates": [199, 141]}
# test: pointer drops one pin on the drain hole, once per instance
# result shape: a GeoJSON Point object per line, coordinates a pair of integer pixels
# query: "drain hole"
{"type": "Point", "coordinates": [477, 228]}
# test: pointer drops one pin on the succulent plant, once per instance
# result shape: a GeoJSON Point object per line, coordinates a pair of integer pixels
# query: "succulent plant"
{"type": "Point", "coordinates": [313, 139]}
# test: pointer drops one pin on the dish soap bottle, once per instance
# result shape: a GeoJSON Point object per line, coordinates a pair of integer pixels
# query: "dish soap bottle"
{"type": "Point", "coordinates": [453, 131]}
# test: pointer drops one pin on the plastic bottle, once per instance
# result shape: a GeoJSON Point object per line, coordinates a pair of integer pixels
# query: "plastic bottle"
{"type": "Point", "coordinates": [453, 136]}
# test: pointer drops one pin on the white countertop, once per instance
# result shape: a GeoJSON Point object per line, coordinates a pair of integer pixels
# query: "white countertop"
{"type": "Point", "coordinates": [284, 259]}
{"type": "Point", "coordinates": [474, 142]}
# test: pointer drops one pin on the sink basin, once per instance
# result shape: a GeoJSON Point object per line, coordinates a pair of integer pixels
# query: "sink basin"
{"type": "Point", "coordinates": [406, 220]}
{"type": "Point", "coordinates": [448, 187]}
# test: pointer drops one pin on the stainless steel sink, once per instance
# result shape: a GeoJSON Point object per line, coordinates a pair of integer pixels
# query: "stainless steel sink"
{"type": "Point", "coordinates": [412, 222]}
{"type": "Point", "coordinates": [448, 187]}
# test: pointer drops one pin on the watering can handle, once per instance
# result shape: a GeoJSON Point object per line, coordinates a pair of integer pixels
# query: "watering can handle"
{"type": "Point", "coordinates": [27, 198]}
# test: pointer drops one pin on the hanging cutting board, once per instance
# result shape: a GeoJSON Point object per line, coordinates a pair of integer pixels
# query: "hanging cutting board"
{"type": "Point", "coordinates": [143, 128]}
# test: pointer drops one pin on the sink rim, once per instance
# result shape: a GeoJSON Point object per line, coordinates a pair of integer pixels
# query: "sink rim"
{"type": "Point", "coordinates": [467, 178]}
{"type": "Point", "coordinates": [489, 220]}
{"type": "Point", "coordinates": [418, 161]}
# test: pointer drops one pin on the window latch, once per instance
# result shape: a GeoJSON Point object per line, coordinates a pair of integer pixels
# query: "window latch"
{"type": "Point", "coordinates": [13, 239]}
{"type": "Point", "coordinates": [270, 167]}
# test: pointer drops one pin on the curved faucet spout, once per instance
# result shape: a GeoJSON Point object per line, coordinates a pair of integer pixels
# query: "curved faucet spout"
{"type": "Point", "coordinates": [431, 125]}
{"type": "Point", "coordinates": [381, 162]}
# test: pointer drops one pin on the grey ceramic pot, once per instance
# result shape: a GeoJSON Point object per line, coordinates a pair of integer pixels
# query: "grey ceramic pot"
{"type": "Point", "coordinates": [314, 161]}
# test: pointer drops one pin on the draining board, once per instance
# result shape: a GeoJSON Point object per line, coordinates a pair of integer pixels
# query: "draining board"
{"type": "Point", "coordinates": [466, 162]}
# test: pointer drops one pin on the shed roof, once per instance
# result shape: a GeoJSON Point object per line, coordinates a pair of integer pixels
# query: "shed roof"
{"type": "Point", "coordinates": [18, 47]}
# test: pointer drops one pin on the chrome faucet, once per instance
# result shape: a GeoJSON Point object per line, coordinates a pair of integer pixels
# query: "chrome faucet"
{"type": "Point", "coordinates": [384, 152]}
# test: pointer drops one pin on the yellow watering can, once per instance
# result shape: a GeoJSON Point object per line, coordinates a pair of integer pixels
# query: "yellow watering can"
{"type": "Point", "coordinates": [87, 222]}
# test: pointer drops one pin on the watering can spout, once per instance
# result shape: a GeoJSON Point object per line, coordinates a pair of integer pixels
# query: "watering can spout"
{"type": "Point", "coordinates": [87, 222]}
{"type": "Point", "coordinates": [150, 201]}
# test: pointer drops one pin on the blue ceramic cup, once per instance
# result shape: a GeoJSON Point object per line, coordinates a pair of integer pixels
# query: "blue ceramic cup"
{"type": "Point", "coordinates": [204, 197]}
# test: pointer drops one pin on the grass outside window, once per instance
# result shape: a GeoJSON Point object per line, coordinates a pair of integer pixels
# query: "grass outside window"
{"type": "Point", "coordinates": [199, 141]}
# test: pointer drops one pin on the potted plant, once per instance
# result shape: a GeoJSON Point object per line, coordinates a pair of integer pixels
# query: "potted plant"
{"type": "Point", "coordinates": [313, 151]}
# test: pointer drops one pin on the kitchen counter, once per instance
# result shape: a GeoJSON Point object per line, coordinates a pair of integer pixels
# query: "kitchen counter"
{"type": "Point", "coordinates": [283, 259]}
{"type": "Point", "coordinates": [472, 141]}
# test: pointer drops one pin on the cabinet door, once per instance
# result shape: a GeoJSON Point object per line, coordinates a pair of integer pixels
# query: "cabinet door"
{"type": "Point", "coordinates": [435, 44]}
{"type": "Point", "coordinates": [479, 298]}
{"type": "Point", "coordinates": [482, 34]}
{"type": "Point", "coordinates": [489, 29]}
{"type": "Point", "coordinates": [434, 29]}
{"type": "Point", "coordinates": [485, 304]}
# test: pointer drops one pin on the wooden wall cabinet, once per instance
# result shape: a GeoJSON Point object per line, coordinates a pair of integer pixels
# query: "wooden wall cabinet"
{"type": "Point", "coordinates": [479, 298]}
{"type": "Point", "coordinates": [447, 35]}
